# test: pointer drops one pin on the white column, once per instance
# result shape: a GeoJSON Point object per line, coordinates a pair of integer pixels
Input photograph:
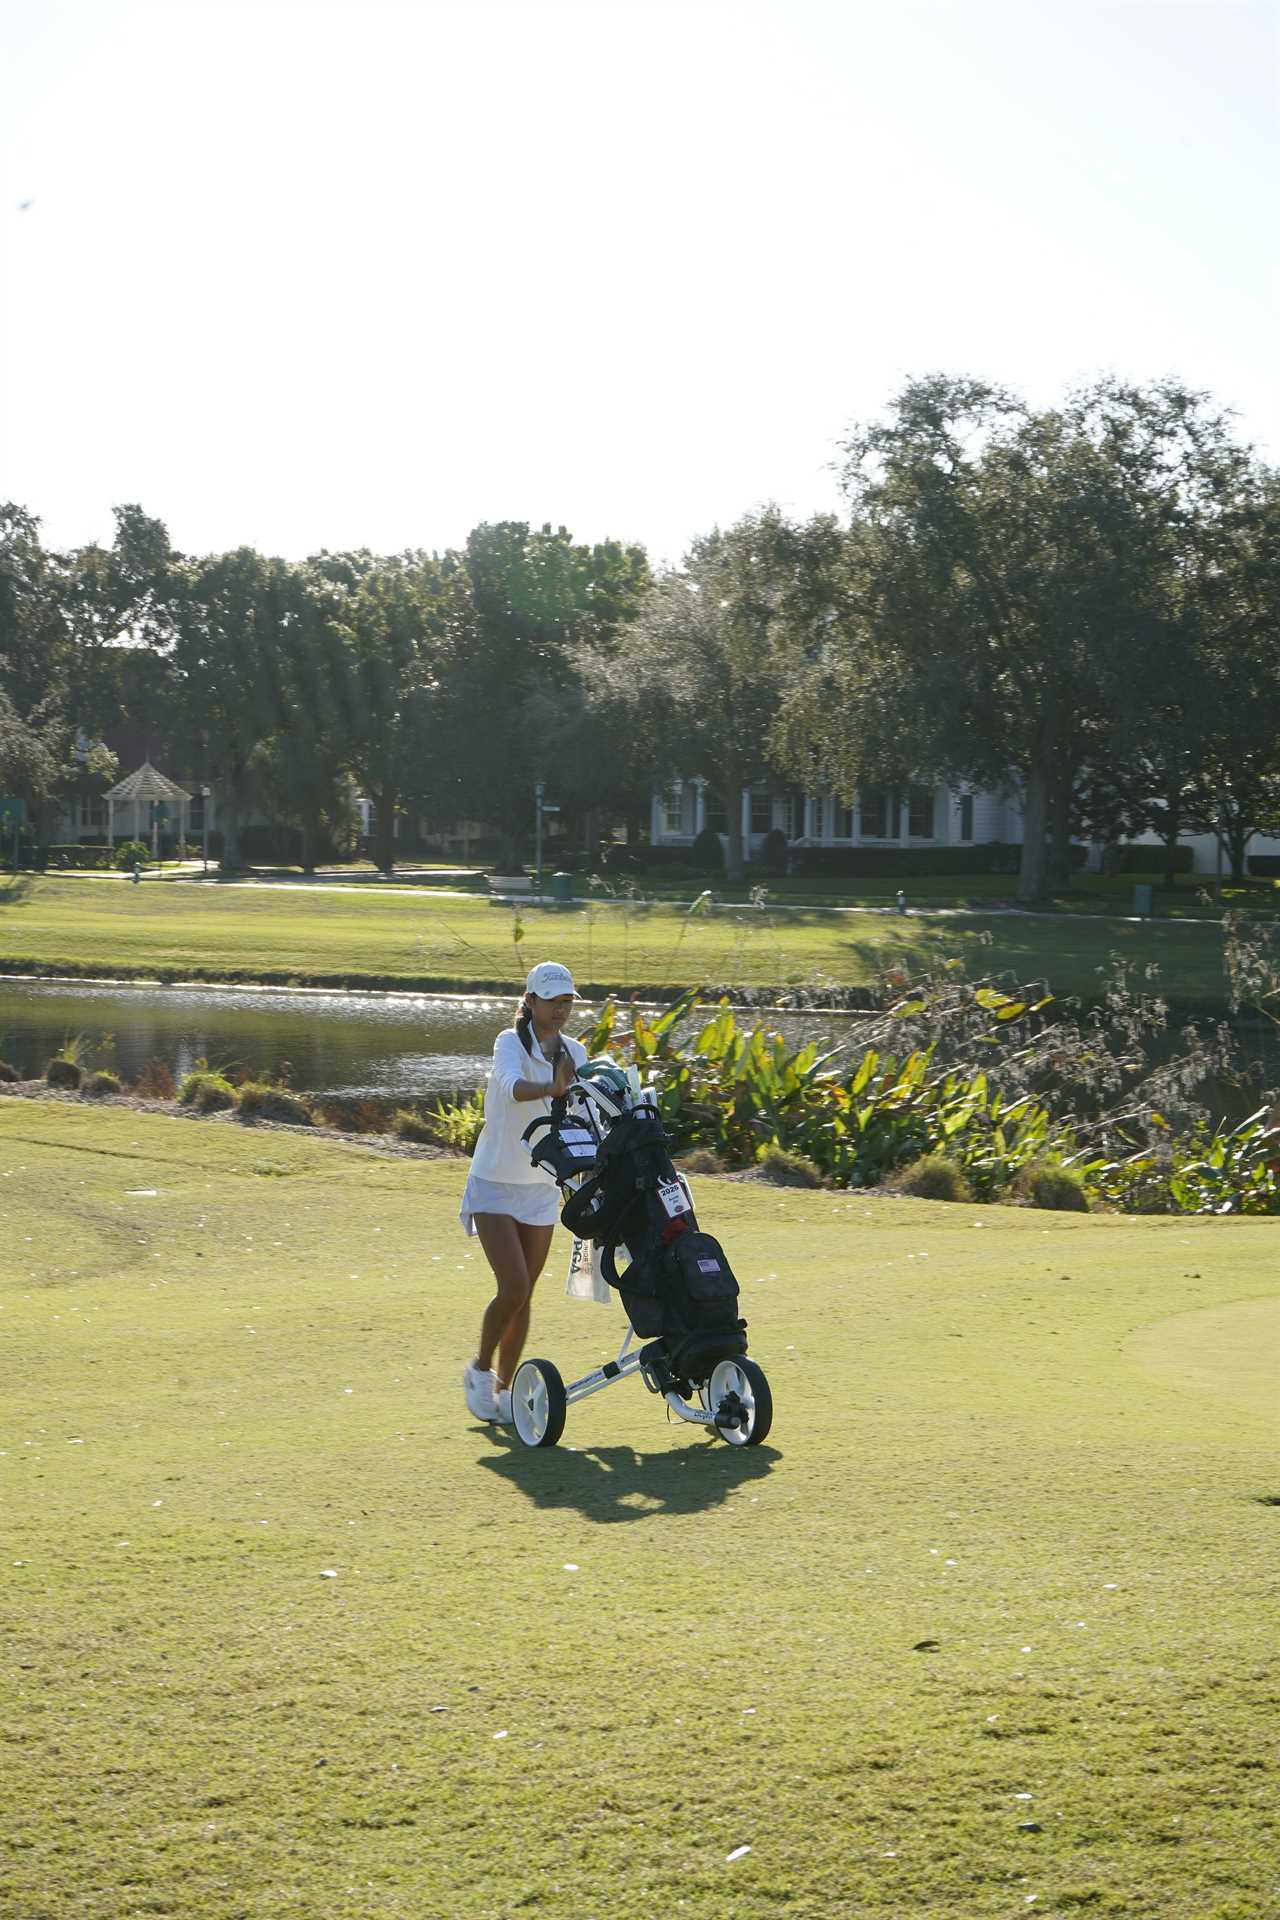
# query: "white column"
{"type": "Point", "coordinates": [699, 806]}
{"type": "Point", "coordinates": [745, 816]}
{"type": "Point", "coordinates": [808, 816]}
{"type": "Point", "coordinates": [111, 821]}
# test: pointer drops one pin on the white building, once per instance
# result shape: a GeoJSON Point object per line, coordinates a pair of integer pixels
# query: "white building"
{"type": "Point", "coordinates": [905, 816]}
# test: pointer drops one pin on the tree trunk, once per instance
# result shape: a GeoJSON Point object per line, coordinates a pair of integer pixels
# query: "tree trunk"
{"type": "Point", "coordinates": [229, 821]}
{"type": "Point", "coordinates": [1059, 873]}
{"type": "Point", "coordinates": [1172, 829]}
{"type": "Point", "coordinates": [384, 832]}
{"type": "Point", "coordinates": [589, 838]}
{"type": "Point", "coordinates": [1238, 838]}
{"type": "Point", "coordinates": [735, 855]}
{"type": "Point", "coordinates": [1033, 873]}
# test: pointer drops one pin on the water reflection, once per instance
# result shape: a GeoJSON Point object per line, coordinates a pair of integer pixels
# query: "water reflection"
{"type": "Point", "coordinates": [353, 1045]}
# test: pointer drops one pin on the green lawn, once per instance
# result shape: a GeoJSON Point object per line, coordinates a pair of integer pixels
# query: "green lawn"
{"type": "Point", "coordinates": [987, 1627]}
{"type": "Point", "coordinates": [404, 937]}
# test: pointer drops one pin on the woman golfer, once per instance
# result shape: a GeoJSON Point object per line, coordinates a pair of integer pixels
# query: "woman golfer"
{"type": "Point", "coordinates": [508, 1202]}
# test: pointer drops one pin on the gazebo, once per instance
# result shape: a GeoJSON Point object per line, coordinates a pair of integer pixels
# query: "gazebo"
{"type": "Point", "coordinates": [147, 795]}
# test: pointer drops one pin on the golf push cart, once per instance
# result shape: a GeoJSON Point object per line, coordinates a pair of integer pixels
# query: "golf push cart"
{"type": "Point", "coordinates": [605, 1146]}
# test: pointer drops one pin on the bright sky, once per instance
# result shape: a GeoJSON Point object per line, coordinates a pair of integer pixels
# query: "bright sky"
{"type": "Point", "coordinates": [366, 272]}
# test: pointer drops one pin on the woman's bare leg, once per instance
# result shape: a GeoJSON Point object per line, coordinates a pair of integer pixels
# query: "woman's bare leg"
{"type": "Point", "coordinates": [517, 1254]}
{"type": "Point", "coordinates": [536, 1242]}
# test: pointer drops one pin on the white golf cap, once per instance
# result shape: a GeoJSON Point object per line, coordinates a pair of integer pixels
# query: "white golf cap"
{"type": "Point", "coordinates": [549, 979]}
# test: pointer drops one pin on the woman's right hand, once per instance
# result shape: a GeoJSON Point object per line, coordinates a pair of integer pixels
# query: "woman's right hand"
{"type": "Point", "coordinates": [565, 1074]}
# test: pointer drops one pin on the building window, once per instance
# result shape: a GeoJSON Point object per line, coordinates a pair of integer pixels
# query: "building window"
{"type": "Point", "coordinates": [879, 813]}
{"type": "Point", "coordinates": [966, 816]}
{"type": "Point", "coordinates": [716, 817]}
{"type": "Point", "coordinates": [673, 810]}
{"type": "Point", "coordinates": [93, 812]}
{"type": "Point", "coordinates": [920, 813]}
{"type": "Point", "coordinates": [818, 815]}
{"type": "Point", "coordinates": [761, 812]}
{"type": "Point", "coordinates": [843, 829]}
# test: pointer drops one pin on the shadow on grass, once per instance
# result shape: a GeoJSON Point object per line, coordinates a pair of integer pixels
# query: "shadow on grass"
{"type": "Point", "coordinates": [14, 891]}
{"type": "Point", "coordinates": [611, 1484]}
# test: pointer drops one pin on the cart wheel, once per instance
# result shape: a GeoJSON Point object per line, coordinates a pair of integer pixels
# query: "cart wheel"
{"type": "Point", "coordinates": [538, 1403]}
{"type": "Point", "coordinates": [738, 1390]}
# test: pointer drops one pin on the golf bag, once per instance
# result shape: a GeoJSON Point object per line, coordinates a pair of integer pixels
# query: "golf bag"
{"type": "Point", "coordinates": [611, 1159]}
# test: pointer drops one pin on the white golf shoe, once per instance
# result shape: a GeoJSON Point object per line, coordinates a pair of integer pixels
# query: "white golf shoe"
{"type": "Point", "coordinates": [480, 1393]}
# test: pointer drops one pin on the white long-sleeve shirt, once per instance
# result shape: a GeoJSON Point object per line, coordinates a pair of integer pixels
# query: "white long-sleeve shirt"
{"type": "Point", "coordinates": [500, 1152]}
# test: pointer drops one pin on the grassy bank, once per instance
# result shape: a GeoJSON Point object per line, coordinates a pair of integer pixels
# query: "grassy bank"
{"type": "Point", "coordinates": [984, 1628]}
{"type": "Point", "coordinates": [95, 927]}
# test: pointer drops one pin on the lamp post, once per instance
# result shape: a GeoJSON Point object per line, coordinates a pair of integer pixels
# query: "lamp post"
{"type": "Point", "coordinates": [204, 826]}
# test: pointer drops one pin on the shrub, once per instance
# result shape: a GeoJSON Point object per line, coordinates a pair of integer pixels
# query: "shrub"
{"type": "Point", "coordinates": [100, 1083]}
{"type": "Point", "coordinates": [934, 1177]}
{"type": "Point", "coordinates": [1043, 1184]}
{"type": "Point", "coordinates": [62, 1073]}
{"type": "Point", "coordinates": [207, 1092]}
{"type": "Point", "coordinates": [81, 858]}
{"type": "Point", "coordinates": [1134, 857]}
{"type": "Point", "coordinates": [784, 1168]}
{"type": "Point", "coordinates": [700, 1160]}
{"type": "Point", "coordinates": [1264, 865]}
{"type": "Point", "coordinates": [898, 863]}
{"type": "Point", "coordinates": [259, 1100]}
{"type": "Point", "coordinates": [618, 859]}
{"type": "Point", "coordinates": [773, 854]}
{"type": "Point", "coordinates": [8, 1074]}
{"type": "Point", "coordinates": [456, 1123]}
{"type": "Point", "coordinates": [708, 852]}
{"type": "Point", "coordinates": [271, 845]}
{"type": "Point", "coordinates": [155, 1082]}
{"type": "Point", "coordinates": [129, 851]}
{"type": "Point", "coordinates": [408, 1125]}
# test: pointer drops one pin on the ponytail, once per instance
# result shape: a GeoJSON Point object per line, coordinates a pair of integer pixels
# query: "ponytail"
{"type": "Point", "coordinates": [523, 1024]}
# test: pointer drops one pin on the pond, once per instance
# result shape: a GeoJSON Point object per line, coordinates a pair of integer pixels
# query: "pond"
{"type": "Point", "coordinates": [372, 1051]}
{"type": "Point", "coordinates": [348, 1045]}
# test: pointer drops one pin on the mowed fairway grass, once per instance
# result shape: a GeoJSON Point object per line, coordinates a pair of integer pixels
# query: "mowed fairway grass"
{"type": "Point", "coordinates": [986, 1627]}
{"type": "Point", "coordinates": [101, 926]}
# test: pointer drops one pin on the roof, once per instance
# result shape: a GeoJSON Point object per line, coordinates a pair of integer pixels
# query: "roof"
{"type": "Point", "coordinates": [147, 784]}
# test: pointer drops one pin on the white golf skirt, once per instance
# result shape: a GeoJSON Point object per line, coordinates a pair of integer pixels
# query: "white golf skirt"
{"type": "Point", "coordinates": [534, 1203]}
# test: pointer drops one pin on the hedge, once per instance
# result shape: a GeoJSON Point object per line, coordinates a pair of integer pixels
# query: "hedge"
{"type": "Point", "coordinates": [1136, 857]}
{"type": "Point", "coordinates": [1265, 865]}
{"type": "Point", "coordinates": [893, 863]}
{"type": "Point", "coordinates": [86, 858]}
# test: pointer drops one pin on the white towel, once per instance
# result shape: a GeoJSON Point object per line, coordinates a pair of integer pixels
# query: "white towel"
{"type": "Point", "coordinates": [586, 1281]}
